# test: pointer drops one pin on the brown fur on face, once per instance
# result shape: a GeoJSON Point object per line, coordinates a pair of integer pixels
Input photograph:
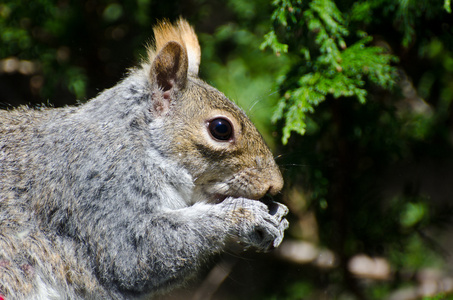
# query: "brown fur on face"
{"type": "Point", "coordinates": [243, 166]}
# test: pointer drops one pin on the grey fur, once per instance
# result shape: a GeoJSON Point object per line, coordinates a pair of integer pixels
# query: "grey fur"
{"type": "Point", "coordinates": [118, 198]}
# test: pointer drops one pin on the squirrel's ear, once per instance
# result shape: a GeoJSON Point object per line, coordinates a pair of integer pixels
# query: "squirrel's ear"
{"type": "Point", "coordinates": [168, 74]}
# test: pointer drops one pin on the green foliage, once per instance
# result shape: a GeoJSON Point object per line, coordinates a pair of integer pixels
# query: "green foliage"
{"type": "Point", "coordinates": [413, 213]}
{"type": "Point", "coordinates": [28, 31]}
{"type": "Point", "coordinates": [295, 291]}
{"type": "Point", "coordinates": [326, 66]}
{"type": "Point", "coordinates": [440, 296]}
{"type": "Point", "coordinates": [447, 6]}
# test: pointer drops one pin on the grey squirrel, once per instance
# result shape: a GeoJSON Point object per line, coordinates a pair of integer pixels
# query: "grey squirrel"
{"type": "Point", "coordinates": [130, 193]}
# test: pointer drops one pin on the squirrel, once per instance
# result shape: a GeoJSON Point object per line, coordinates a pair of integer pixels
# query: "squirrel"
{"type": "Point", "coordinates": [130, 193]}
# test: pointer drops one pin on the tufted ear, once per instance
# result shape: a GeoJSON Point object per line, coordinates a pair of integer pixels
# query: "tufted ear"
{"type": "Point", "coordinates": [168, 75]}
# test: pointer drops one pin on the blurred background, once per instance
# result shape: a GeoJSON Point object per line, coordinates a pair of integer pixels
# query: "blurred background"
{"type": "Point", "coordinates": [354, 98]}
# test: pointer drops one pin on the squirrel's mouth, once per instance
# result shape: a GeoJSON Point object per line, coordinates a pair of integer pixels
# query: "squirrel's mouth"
{"type": "Point", "coordinates": [219, 198]}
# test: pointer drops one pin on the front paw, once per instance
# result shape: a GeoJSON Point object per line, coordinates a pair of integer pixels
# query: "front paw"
{"type": "Point", "coordinates": [256, 224]}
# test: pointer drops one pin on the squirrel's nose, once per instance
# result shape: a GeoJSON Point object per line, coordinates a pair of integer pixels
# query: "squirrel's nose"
{"type": "Point", "coordinates": [272, 177]}
{"type": "Point", "coordinates": [276, 183]}
{"type": "Point", "coordinates": [274, 190]}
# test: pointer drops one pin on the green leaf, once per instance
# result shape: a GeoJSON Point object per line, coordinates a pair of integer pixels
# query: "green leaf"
{"type": "Point", "coordinates": [270, 40]}
{"type": "Point", "coordinates": [413, 214]}
{"type": "Point", "coordinates": [447, 6]}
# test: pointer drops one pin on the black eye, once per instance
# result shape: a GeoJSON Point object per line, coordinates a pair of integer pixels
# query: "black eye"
{"type": "Point", "coordinates": [221, 129]}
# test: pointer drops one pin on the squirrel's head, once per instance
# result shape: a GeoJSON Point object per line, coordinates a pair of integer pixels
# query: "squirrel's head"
{"type": "Point", "coordinates": [203, 130]}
